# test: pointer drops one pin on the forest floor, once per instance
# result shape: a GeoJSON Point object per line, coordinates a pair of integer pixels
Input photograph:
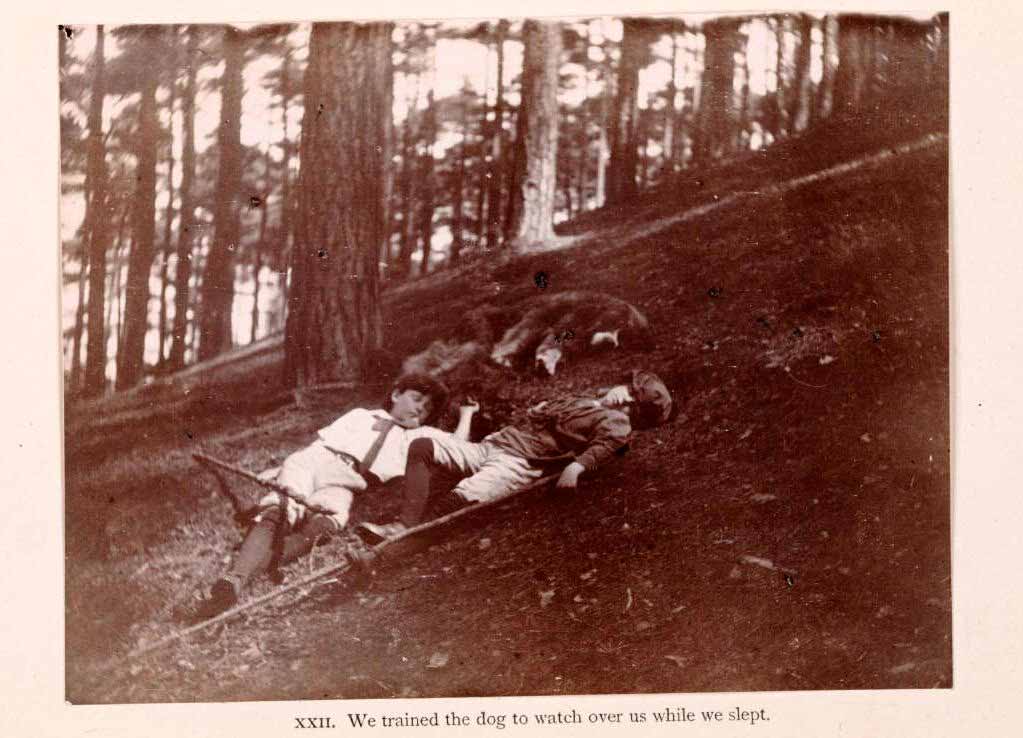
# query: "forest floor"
{"type": "Point", "coordinates": [789, 530]}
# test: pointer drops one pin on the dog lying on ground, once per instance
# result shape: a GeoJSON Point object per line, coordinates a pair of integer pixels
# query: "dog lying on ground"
{"type": "Point", "coordinates": [551, 328]}
{"type": "Point", "coordinates": [570, 323]}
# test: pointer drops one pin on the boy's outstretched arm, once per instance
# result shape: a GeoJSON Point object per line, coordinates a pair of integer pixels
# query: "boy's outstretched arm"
{"type": "Point", "coordinates": [610, 434]}
{"type": "Point", "coordinates": [468, 408]}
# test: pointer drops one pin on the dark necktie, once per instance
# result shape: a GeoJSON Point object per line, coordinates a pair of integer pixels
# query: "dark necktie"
{"type": "Point", "coordinates": [383, 427]}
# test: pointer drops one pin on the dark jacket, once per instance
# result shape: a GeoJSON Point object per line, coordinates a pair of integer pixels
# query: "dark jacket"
{"type": "Point", "coordinates": [573, 428]}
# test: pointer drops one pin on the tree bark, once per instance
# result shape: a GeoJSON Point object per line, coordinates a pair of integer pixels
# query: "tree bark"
{"type": "Point", "coordinates": [494, 168]}
{"type": "Point", "coordinates": [169, 214]}
{"type": "Point", "coordinates": [541, 61]}
{"type": "Point", "coordinates": [260, 246]}
{"type": "Point", "coordinates": [131, 356]}
{"type": "Point", "coordinates": [621, 183]}
{"type": "Point", "coordinates": [458, 196]}
{"type": "Point", "coordinates": [802, 84]}
{"type": "Point", "coordinates": [826, 87]}
{"type": "Point", "coordinates": [408, 190]}
{"type": "Point", "coordinates": [284, 245]}
{"type": "Point", "coordinates": [426, 179]}
{"type": "Point", "coordinates": [714, 130]}
{"type": "Point", "coordinates": [186, 224]}
{"type": "Point", "coordinates": [335, 317]}
{"type": "Point", "coordinates": [853, 41]}
{"type": "Point", "coordinates": [217, 294]}
{"type": "Point", "coordinates": [98, 227]}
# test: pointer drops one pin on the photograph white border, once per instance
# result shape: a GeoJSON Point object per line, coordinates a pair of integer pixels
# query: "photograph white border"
{"type": "Point", "coordinates": [986, 274]}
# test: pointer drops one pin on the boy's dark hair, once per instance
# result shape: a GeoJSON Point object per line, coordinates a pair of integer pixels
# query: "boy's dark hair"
{"type": "Point", "coordinates": [654, 403]}
{"type": "Point", "coordinates": [426, 385]}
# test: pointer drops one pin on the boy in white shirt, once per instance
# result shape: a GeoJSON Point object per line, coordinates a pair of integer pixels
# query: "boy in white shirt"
{"type": "Point", "coordinates": [360, 448]}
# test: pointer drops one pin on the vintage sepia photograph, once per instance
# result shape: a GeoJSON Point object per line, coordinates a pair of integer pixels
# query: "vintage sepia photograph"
{"type": "Point", "coordinates": [506, 356]}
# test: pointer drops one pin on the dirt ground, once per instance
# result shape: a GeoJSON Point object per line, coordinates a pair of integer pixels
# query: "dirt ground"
{"type": "Point", "coordinates": [790, 530]}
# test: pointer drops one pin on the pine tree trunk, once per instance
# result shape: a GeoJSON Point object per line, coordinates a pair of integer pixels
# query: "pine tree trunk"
{"type": "Point", "coordinates": [494, 169]}
{"type": "Point", "coordinates": [335, 320]}
{"type": "Point", "coordinates": [780, 85]}
{"type": "Point", "coordinates": [483, 148]}
{"type": "Point", "coordinates": [408, 191]}
{"type": "Point", "coordinates": [670, 113]}
{"type": "Point", "coordinates": [282, 256]}
{"type": "Point", "coordinates": [98, 230]}
{"type": "Point", "coordinates": [76, 340]}
{"type": "Point", "coordinates": [802, 84]}
{"type": "Point", "coordinates": [260, 246]}
{"type": "Point", "coordinates": [621, 184]}
{"type": "Point", "coordinates": [716, 99]}
{"type": "Point", "coordinates": [513, 208]}
{"type": "Point", "coordinates": [742, 129]}
{"type": "Point", "coordinates": [853, 39]}
{"type": "Point", "coordinates": [169, 214]}
{"type": "Point", "coordinates": [826, 87]}
{"type": "Point", "coordinates": [131, 356]}
{"type": "Point", "coordinates": [217, 294]}
{"type": "Point", "coordinates": [458, 199]}
{"type": "Point", "coordinates": [427, 180]}
{"type": "Point", "coordinates": [603, 139]}
{"type": "Point", "coordinates": [583, 162]}
{"type": "Point", "coordinates": [541, 61]}
{"type": "Point", "coordinates": [186, 224]}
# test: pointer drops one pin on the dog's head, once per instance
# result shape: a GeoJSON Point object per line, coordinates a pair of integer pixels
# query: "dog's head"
{"type": "Point", "coordinates": [547, 358]}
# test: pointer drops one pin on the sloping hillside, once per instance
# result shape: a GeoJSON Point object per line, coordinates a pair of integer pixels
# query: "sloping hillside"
{"type": "Point", "coordinates": [790, 530]}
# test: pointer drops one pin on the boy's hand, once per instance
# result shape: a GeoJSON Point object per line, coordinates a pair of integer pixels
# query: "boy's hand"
{"type": "Point", "coordinates": [469, 406]}
{"type": "Point", "coordinates": [570, 476]}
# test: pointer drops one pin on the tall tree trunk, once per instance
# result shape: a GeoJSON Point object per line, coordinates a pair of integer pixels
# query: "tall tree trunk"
{"type": "Point", "coordinates": [621, 185]}
{"type": "Point", "coordinates": [131, 357]}
{"type": "Point", "coordinates": [583, 162]}
{"type": "Point", "coordinates": [426, 178]}
{"type": "Point", "coordinates": [517, 173]}
{"type": "Point", "coordinates": [541, 61]}
{"type": "Point", "coordinates": [114, 290]}
{"type": "Point", "coordinates": [670, 112]}
{"type": "Point", "coordinates": [186, 224]}
{"type": "Point", "coordinates": [217, 293]}
{"type": "Point", "coordinates": [260, 245]}
{"type": "Point", "coordinates": [781, 83]}
{"type": "Point", "coordinates": [408, 190]}
{"type": "Point", "coordinates": [335, 320]}
{"type": "Point", "coordinates": [743, 126]}
{"type": "Point", "coordinates": [282, 256]}
{"type": "Point", "coordinates": [172, 71]}
{"type": "Point", "coordinates": [494, 169]}
{"type": "Point", "coordinates": [853, 38]}
{"type": "Point", "coordinates": [76, 340]}
{"type": "Point", "coordinates": [716, 99]}
{"type": "Point", "coordinates": [603, 135]}
{"type": "Point", "coordinates": [826, 87]}
{"type": "Point", "coordinates": [458, 196]}
{"type": "Point", "coordinates": [484, 167]}
{"type": "Point", "coordinates": [98, 230]}
{"type": "Point", "coordinates": [802, 84]}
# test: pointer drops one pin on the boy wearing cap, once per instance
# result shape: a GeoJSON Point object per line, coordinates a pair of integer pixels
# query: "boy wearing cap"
{"type": "Point", "coordinates": [583, 431]}
{"type": "Point", "coordinates": [359, 448]}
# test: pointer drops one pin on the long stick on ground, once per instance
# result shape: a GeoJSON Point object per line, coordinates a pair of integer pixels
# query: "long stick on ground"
{"type": "Point", "coordinates": [256, 479]}
{"type": "Point", "coordinates": [322, 572]}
